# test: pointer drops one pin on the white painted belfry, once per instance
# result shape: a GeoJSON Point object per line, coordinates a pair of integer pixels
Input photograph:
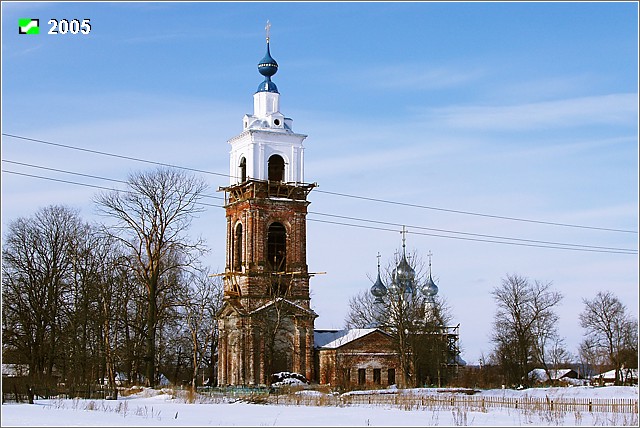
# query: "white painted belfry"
{"type": "Point", "coordinates": [266, 132]}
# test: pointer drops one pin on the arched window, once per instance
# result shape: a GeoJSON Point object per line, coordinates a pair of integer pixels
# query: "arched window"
{"type": "Point", "coordinates": [237, 249]}
{"type": "Point", "coordinates": [277, 247]}
{"type": "Point", "coordinates": [276, 168]}
{"type": "Point", "coordinates": [243, 170]}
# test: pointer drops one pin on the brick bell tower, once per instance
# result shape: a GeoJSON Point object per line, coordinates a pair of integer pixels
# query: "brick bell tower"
{"type": "Point", "coordinates": [266, 321]}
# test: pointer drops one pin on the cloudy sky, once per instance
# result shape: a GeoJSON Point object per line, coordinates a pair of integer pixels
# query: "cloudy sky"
{"type": "Point", "coordinates": [503, 135]}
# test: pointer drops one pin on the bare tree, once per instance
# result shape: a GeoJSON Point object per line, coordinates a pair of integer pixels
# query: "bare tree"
{"type": "Point", "coordinates": [610, 330]}
{"type": "Point", "coordinates": [276, 329]}
{"type": "Point", "coordinates": [200, 302]}
{"type": "Point", "coordinates": [151, 220]}
{"type": "Point", "coordinates": [36, 275]}
{"type": "Point", "coordinates": [362, 313]}
{"type": "Point", "coordinates": [524, 325]}
{"type": "Point", "coordinates": [111, 288]}
{"type": "Point", "coordinates": [592, 359]}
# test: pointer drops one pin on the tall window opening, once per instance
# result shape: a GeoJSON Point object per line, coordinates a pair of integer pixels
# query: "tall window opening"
{"type": "Point", "coordinates": [276, 168]}
{"type": "Point", "coordinates": [362, 376]}
{"type": "Point", "coordinates": [277, 247]}
{"type": "Point", "coordinates": [392, 376]}
{"type": "Point", "coordinates": [377, 376]}
{"type": "Point", "coordinates": [243, 170]}
{"type": "Point", "coordinates": [237, 248]}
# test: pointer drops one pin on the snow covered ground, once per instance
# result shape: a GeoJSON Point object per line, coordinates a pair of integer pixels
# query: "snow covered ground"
{"type": "Point", "coordinates": [165, 408]}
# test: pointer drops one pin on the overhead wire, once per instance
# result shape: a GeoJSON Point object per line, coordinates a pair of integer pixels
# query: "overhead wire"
{"type": "Point", "coordinates": [558, 247]}
{"type": "Point", "coordinates": [476, 237]}
{"type": "Point", "coordinates": [346, 195]}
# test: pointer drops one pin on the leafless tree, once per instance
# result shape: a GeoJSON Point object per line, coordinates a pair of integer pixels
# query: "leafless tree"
{"type": "Point", "coordinates": [36, 275]}
{"type": "Point", "coordinates": [200, 302]}
{"type": "Point", "coordinates": [151, 220]}
{"type": "Point", "coordinates": [592, 359]}
{"type": "Point", "coordinates": [362, 313]}
{"type": "Point", "coordinates": [524, 325]}
{"type": "Point", "coordinates": [610, 330]}
{"type": "Point", "coordinates": [276, 329]}
{"type": "Point", "coordinates": [110, 288]}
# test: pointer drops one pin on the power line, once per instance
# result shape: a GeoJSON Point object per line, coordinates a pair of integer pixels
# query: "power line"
{"type": "Point", "coordinates": [345, 195]}
{"type": "Point", "coordinates": [94, 186]}
{"type": "Point", "coordinates": [406, 204]}
{"type": "Point", "coordinates": [350, 217]}
{"type": "Point", "coordinates": [522, 242]}
{"type": "Point", "coordinates": [80, 174]}
{"type": "Point", "coordinates": [98, 152]}
{"type": "Point", "coordinates": [469, 233]}
{"type": "Point", "coordinates": [557, 247]}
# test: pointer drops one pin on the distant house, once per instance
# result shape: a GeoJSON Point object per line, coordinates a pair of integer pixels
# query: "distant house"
{"type": "Point", "coordinates": [15, 370]}
{"type": "Point", "coordinates": [554, 375]}
{"type": "Point", "coordinates": [629, 376]}
{"type": "Point", "coordinates": [120, 379]}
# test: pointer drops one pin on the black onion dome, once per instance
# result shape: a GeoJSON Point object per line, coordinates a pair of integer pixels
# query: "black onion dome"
{"type": "Point", "coordinates": [378, 289]}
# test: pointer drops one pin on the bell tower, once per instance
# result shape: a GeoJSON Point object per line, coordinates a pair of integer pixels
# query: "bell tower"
{"type": "Point", "coordinates": [266, 321]}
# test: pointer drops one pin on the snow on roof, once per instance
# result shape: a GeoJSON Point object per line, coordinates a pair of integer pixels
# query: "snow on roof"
{"type": "Point", "coordinates": [541, 375]}
{"type": "Point", "coordinates": [13, 370]}
{"type": "Point", "coordinates": [332, 339]}
{"type": "Point", "coordinates": [627, 374]}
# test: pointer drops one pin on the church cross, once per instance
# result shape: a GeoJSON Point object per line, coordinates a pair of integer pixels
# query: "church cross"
{"type": "Point", "coordinates": [268, 28]}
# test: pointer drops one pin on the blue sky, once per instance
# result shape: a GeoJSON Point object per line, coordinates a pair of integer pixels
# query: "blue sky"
{"type": "Point", "coordinates": [520, 110]}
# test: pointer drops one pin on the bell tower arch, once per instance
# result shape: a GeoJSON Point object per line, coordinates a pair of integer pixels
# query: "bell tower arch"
{"type": "Point", "coordinates": [266, 321]}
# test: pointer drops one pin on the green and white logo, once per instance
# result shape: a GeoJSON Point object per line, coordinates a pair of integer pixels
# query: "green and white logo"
{"type": "Point", "coordinates": [28, 26]}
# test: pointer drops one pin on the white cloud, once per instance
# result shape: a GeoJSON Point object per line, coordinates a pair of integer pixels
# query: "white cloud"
{"type": "Point", "coordinates": [614, 109]}
{"type": "Point", "coordinates": [409, 76]}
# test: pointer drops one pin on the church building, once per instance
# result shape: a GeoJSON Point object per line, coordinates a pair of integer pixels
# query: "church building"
{"type": "Point", "coordinates": [266, 324]}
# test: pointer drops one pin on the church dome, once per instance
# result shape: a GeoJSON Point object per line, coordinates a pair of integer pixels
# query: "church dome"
{"type": "Point", "coordinates": [268, 66]}
{"type": "Point", "coordinates": [429, 289]}
{"type": "Point", "coordinates": [378, 289]}
{"type": "Point", "coordinates": [404, 275]}
{"type": "Point", "coordinates": [267, 86]}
